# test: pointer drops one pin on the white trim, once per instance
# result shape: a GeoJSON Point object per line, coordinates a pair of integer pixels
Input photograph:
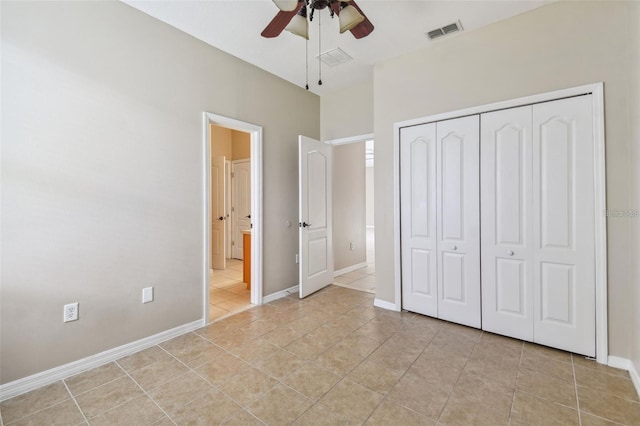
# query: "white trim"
{"type": "Point", "coordinates": [349, 269]}
{"type": "Point", "coordinates": [370, 226]}
{"type": "Point", "coordinates": [256, 203]}
{"type": "Point", "coordinates": [602, 331]}
{"type": "Point", "coordinates": [35, 381]}
{"type": "Point", "coordinates": [626, 364]}
{"type": "Point", "coordinates": [350, 139]}
{"type": "Point", "coordinates": [280, 294]}
{"type": "Point", "coordinates": [378, 303]}
{"type": "Point", "coordinates": [397, 258]}
{"type": "Point", "coordinates": [597, 91]}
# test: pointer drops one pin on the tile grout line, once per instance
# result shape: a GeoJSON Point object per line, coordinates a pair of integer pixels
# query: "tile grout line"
{"type": "Point", "coordinates": [515, 388]}
{"type": "Point", "coordinates": [146, 393]}
{"type": "Point", "coordinates": [575, 387]}
{"type": "Point", "coordinates": [458, 378]}
{"type": "Point", "coordinates": [75, 402]}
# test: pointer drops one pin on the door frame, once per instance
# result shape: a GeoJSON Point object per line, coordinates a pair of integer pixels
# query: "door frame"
{"type": "Point", "coordinates": [255, 132]}
{"type": "Point", "coordinates": [597, 92]}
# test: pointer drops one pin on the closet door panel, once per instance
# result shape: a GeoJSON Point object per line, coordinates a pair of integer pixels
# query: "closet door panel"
{"type": "Point", "coordinates": [564, 254]}
{"type": "Point", "coordinates": [418, 218]}
{"type": "Point", "coordinates": [458, 247]}
{"type": "Point", "coordinates": [507, 227]}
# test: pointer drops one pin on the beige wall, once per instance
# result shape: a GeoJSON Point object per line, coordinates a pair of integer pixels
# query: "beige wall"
{"type": "Point", "coordinates": [347, 112]}
{"type": "Point", "coordinates": [233, 144]}
{"type": "Point", "coordinates": [370, 194]}
{"type": "Point", "coordinates": [560, 45]}
{"type": "Point", "coordinates": [221, 142]}
{"type": "Point", "coordinates": [102, 179]}
{"type": "Point", "coordinates": [240, 145]}
{"type": "Point", "coordinates": [349, 205]}
{"type": "Point", "coordinates": [633, 19]}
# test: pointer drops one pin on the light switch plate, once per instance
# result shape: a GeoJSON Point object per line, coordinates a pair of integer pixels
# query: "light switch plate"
{"type": "Point", "coordinates": [147, 295]}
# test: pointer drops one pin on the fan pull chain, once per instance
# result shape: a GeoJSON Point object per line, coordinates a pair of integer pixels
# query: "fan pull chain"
{"type": "Point", "coordinates": [319, 49]}
{"type": "Point", "coordinates": [306, 60]}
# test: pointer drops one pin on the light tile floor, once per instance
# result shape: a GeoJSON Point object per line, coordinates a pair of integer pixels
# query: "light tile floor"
{"type": "Point", "coordinates": [363, 279]}
{"type": "Point", "coordinates": [333, 358]}
{"type": "Point", "coordinates": [228, 294]}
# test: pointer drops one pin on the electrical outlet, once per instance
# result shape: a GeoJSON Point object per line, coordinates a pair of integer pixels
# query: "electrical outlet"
{"type": "Point", "coordinates": [351, 245]}
{"type": "Point", "coordinates": [297, 258]}
{"type": "Point", "coordinates": [70, 312]}
{"type": "Point", "coordinates": [147, 295]}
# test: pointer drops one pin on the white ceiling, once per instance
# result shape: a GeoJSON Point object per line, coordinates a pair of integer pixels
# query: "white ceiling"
{"type": "Point", "coordinates": [234, 26]}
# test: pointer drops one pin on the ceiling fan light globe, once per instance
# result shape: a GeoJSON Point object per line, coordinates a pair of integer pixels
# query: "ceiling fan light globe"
{"type": "Point", "coordinates": [349, 17]}
{"type": "Point", "coordinates": [286, 5]}
{"type": "Point", "coordinates": [299, 26]}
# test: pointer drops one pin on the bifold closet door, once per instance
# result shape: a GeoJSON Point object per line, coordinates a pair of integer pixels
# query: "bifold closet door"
{"type": "Point", "coordinates": [538, 224]}
{"type": "Point", "coordinates": [458, 220]}
{"type": "Point", "coordinates": [507, 225]}
{"type": "Point", "coordinates": [418, 219]}
{"type": "Point", "coordinates": [564, 225]}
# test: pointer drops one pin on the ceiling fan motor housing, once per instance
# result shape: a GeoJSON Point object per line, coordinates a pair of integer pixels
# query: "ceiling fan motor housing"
{"type": "Point", "coordinates": [319, 4]}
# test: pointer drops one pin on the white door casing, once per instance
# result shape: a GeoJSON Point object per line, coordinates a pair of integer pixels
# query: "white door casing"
{"type": "Point", "coordinates": [315, 224]}
{"type": "Point", "coordinates": [564, 232]}
{"type": "Point", "coordinates": [218, 256]}
{"type": "Point", "coordinates": [418, 219]}
{"type": "Point", "coordinates": [241, 203]}
{"type": "Point", "coordinates": [506, 222]}
{"type": "Point", "coordinates": [458, 221]}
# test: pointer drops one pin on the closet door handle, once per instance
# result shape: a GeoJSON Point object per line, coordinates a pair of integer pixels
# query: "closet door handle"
{"type": "Point", "coordinates": [510, 252]}
{"type": "Point", "coordinates": [455, 248]}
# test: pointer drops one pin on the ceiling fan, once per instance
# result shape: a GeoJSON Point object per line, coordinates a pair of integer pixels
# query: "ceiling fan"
{"type": "Point", "coordinates": [293, 17]}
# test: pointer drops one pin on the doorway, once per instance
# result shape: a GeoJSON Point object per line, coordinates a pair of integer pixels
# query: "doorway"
{"type": "Point", "coordinates": [231, 285]}
{"type": "Point", "coordinates": [354, 240]}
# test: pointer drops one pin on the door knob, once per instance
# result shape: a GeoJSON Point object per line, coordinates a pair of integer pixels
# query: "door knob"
{"type": "Point", "coordinates": [248, 216]}
{"type": "Point", "coordinates": [221, 218]}
{"type": "Point", "coordinates": [305, 224]}
{"type": "Point", "coordinates": [510, 252]}
{"type": "Point", "coordinates": [455, 247]}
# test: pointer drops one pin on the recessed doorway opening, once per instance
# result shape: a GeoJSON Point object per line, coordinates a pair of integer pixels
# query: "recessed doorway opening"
{"type": "Point", "coordinates": [233, 216]}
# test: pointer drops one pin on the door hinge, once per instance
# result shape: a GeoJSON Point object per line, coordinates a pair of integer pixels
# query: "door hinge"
{"type": "Point", "coordinates": [233, 209]}
{"type": "Point", "coordinates": [233, 243]}
{"type": "Point", "coordinates": [233, 174]}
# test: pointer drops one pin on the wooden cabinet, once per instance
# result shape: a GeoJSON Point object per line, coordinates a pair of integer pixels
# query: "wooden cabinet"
{"type": "Point", "coordinates": [246, 267]}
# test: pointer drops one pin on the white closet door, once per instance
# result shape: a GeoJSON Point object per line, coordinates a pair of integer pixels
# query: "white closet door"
{"type": "Point", "coordinates": [507, 225]}
{"type": "Point", "coordinates": [418, 218]}
{"type": "Point", "coordinates": [458, 220]}
{"type": "Point", "coordinates": [563, 191]}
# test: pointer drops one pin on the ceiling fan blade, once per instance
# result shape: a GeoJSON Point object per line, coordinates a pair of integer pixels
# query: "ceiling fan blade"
{"type": "Point", "coordinates": [365, 27]}
{"type": "Point", "coordinates": [281, 20]}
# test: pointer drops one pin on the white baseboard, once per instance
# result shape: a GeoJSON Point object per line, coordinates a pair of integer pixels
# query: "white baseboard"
{"type": "Point", "coordinates": [35, 381]}
{"type": "Point", "coordinates": [385, 305]}
{"type": "Point", "coordinates": [625, 364]}
{"type": "Point", "coordinates": [280, 294]}
{"type": "Point", "coordinates": [349, 269]}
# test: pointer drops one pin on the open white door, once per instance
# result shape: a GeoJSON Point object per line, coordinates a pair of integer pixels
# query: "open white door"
{"type": "Point", "coordinates": [218, 187]}
{"type": "Point", "coordinates": [241, 199]}
{"type": "Point", "coordinates": [315, 242]}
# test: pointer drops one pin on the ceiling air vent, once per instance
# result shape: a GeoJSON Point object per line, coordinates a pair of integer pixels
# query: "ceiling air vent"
{"type": "Point", "coordinates": [334, 57]}
{"type": "Point", "coordinates": [447, 29]}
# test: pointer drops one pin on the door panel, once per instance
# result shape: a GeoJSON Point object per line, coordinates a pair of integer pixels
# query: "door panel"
{"type": "Point", "coordinates": [316, 253]}
{"type": "Point", "coordinates": [418, 219]}
{"type": "Point", "coordinates": [458, 221]}
{"type": "Point", "coordinates": [218, 255]}
{"type": "Point", "coordinates": [506, 176]}
{"type": "Point", "coordinates": [241, 199]}
{"type": "Point", "coordinates": [564, 240]}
